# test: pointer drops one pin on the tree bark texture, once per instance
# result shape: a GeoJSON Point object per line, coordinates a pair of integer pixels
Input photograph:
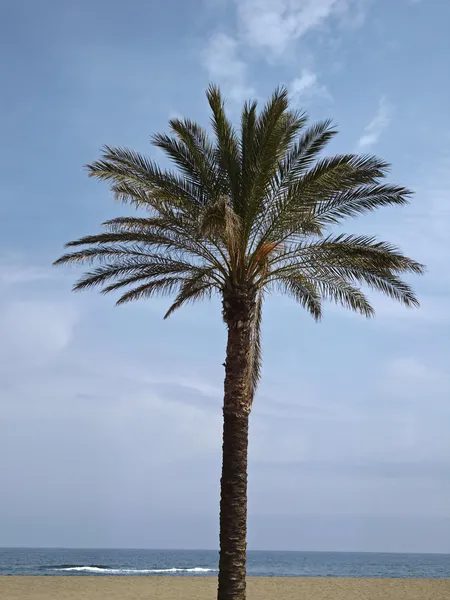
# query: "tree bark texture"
{"type": "Point", "coordinates": [238, 312]}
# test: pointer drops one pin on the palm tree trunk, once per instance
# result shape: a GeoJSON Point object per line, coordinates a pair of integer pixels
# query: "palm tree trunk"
{"type": "Point", "coordinates": [238, 312]}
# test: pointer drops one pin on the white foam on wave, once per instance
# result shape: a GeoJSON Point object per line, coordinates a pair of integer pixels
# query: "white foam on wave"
{"type": "Point", "coordinates": [175, 570]}
{"type": "Point", "coordinates": [89, 569]}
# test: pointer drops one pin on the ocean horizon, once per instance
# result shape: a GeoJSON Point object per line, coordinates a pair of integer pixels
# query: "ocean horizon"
{"type": "Point", "coordinates": [261, 563]}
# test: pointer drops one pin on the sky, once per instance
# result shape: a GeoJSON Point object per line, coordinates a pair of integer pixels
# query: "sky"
{"type": "Point", "coordinates": [110, 418]}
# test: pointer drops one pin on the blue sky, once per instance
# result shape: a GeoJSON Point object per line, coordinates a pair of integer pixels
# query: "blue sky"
{"type": "Point", "coordinates": [109, 417]}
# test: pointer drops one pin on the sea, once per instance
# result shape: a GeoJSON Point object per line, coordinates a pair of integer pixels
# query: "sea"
{"type": "Point", "coordinates": [179, 563]}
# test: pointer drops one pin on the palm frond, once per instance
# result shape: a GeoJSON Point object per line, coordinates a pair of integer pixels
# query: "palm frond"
{"type": "Point", "coordinates": [189, 158]}
{"type": "Point", "coordinates": [159, 287]}
{"type": "Point", "coordinates": [352, 259]}
{"type": "Point", "coordinates": [247, 144]}
{"type": "Point", "coordinates": [273, 133]}
{"type": "Point", "coordinates": [387, 283]}
{"type": "Point", "coordinates": [138, 180]}
{"type": "Point", "coordinates": [294, 211]}
{"type": "Point", "coordinates": [356, 201]}
{"type": "Point", "coordinates": [342, 171]}
{"type": "Point", "coordinates": [203, 152]}
{"type": "Point", "coordinates": [339, 291]}
{"type": "Point", "coordinates": [227, 149]}
{"type": "Point", "coordinates": [303, 291]}
{"type": "Point", "coordinates": [200, 285]}
{"type": "Point", "coordinates": [116, 252]}
{"type": "Point", "coordinates": [177, 243]}
{"type": "Point", "coordinates": [148, 238]}
{"type": "Point", "coordinates": [345, 250]}
{"type": "Point", "coordinates": [306, 150]}
{"type": "Point", "coordinates": [128, 271]}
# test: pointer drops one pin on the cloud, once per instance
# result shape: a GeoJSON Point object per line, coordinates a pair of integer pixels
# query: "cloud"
{"type": "Point", "coordinates": [270, 28]}
{"type": "Point", "coordinates": [14, 274]}
{"type": "Point", "coordinates": [32, 332]}
{"type": "Point", "coordinates": [307, 86]}
{"type": "Point", "coordinates": [17, 271]}
{"type": "Point", "coordinates": [115, 416]}
{"type": "Point", "coordinates": [377, 125]}
{"type": "Point", "coordinates": [107, 429]}
{"type": "Point", "coordinates": [273, 25]}
{"type": "Point", "coordinates": [34, 327]}
{"type": "Point", "coordinates": [223, 64]}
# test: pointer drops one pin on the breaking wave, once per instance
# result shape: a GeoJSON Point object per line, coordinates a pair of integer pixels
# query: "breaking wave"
{"type": "Point", "coordinates": [102, 569]}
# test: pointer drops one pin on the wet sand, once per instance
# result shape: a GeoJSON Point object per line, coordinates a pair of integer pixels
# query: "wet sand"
{"type": "Point", "coordinates": [204, 588]}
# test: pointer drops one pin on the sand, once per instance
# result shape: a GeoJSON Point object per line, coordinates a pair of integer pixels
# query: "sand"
{"type": "Point", "coordinates": [204, 588]}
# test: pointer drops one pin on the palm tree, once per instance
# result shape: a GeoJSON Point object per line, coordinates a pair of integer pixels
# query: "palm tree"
{"type": "Point", "coordinates": [245, 214]}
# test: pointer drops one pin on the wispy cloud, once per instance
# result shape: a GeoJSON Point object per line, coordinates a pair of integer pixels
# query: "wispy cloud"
{"type": "Point", "coordinates": [271, 27]}
{"type": "Point", "coordinates": [221, 59]}
{"type": "Point", "coordinates": [307, 86]}
{"type": "Point", "coordinates": [12, 273]}
{"type": "Point", "coordinates": [373, 131]}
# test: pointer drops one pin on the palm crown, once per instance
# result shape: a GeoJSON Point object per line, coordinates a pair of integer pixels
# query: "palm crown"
{"type": "Point", "coordinates": [247, 209]}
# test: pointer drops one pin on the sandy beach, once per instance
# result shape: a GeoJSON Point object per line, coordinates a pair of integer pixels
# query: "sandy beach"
{"type": "Point", "coordinates": [203, 588]}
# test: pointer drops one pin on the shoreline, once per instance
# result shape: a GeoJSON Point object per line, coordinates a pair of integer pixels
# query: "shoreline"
{"type": "Point", "coordinates": [63, 587]}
